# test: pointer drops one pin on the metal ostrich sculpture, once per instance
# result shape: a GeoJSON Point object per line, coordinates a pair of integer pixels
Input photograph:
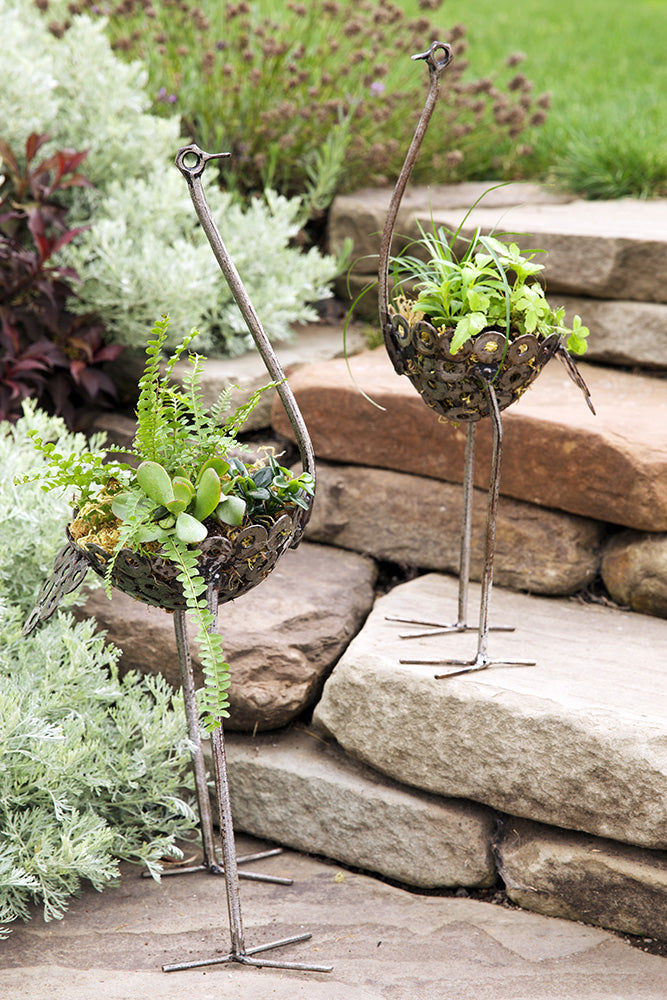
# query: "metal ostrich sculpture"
{"type": "Point", "coordinates": [230, 567]}
{"type": "Point", "coordinates": [486, 375]}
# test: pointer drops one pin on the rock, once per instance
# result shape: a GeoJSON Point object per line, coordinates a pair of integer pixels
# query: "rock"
{"type": "Point", "coordinates": [572, 875]}
{"type": "Point", "coordinates": [119, 430]}
{"type": "Point", "coordinates": [578, 741]}
{"type": "Point", "coordinates": [361, 215]}
{"type": "Point", "coordinates": [416, 521]}
{"type": "Point", "coordinates": [634, 570]}
{"type": "Point", "coordinates": [384, 944]}
{"type": "Point", "coordinates": [622, 333]}
{"type": "Point", "coordinates": [592, 250]}
{"type": "Point", "coordinates": [609, 467]}
{"type": "Point", "coordinates": [281, 638]}
{"type": "Point", "coordinates": [297, 790]}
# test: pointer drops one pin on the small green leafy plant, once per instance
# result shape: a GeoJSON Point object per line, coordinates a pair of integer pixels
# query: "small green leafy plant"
{"type": "Point", "coordinates": [492, 284]}
{"type": "Point", "coordinates": [185, 484]}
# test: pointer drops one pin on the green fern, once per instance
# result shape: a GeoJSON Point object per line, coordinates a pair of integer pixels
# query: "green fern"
{"type": "Point", "coordinates": [185, 478]}
{"type": "Point", "coordinates": [148, 427]}
{"type": "Point", "coordinates": [214, 666]}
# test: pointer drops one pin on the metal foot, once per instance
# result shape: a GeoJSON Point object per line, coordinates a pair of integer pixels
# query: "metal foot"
{"type": "Point", "coordinates": [218, 869]}
{"type": "Point", "coordinates": [245, 957]}
{"type": "Point", "coordinates": [468, 666]}
{"type": "Point", "coordinates": [437, 628]}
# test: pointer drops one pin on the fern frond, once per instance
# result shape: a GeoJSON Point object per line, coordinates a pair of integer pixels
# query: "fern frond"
{"type": "Point", "coordinates": [177, 355]}
{"type": "Point", "coordinates": [148, 404]}
{"type": "Point", "coordinates": [240, 415]}
{"type": "Point", "coordinates": [214, 666]}
{"type": "Point", "coordinates": [221, 405]}
{"type": "Point", "coordinates": [192, 385]}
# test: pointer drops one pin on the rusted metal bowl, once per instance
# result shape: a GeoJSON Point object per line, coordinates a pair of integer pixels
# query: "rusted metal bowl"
{"type": "Point", "coordinates": [234, 559]}
{"type": "Point", "coordinates": [453, 384]}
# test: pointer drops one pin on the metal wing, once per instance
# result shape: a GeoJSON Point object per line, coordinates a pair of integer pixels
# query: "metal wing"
{"type": "Point", "coordinates": [69, 571]}
{"type": "Point", "coordinates": [575, 375]}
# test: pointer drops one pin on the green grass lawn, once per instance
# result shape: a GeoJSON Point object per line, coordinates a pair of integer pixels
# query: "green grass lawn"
{"type": "Point", "coordinates": [604, 63]}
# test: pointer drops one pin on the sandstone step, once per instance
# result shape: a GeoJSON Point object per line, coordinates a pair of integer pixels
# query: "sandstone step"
{"type": "Point", "coordinates": [616, 251]}
{"type": "Point", "coordinates": [625, 333]}
{"type": "Point", "coordinates": [610, 467]}
{"type": "Point", "coordinates": [578, 741]}
{"type": "Point", "coordinates": [294, 788]}
{"type": "Point", "coordinates": [585, 878]}
{"type": "Point", "coordinates": [299, 790]}
{"type": "Point", "coordinates": [281, 638]}
{"type": "Point", "coordinates": [415, 521]}
{"type": "Point", "coordinates": [384, 944]}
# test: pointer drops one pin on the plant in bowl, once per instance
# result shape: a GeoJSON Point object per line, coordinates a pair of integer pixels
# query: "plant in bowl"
{"type": "Point", "coordinates": [484, 306]}
{"type": "Point", "coordinates": [183, 513]}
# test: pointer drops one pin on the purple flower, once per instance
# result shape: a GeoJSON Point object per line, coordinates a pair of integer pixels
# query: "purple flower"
{"type": "Point", "coordinates": [377, 87]}
{"type": "Point", "coordinates": [166, 98]}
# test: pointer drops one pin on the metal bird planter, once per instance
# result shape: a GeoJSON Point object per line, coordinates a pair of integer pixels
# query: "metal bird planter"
{"type": "Point", "coordinates": [471, 368]}
{"type": "Point", "coordinates": [231, 558]}
{"type": "Point", "coordinates": [451, 383]}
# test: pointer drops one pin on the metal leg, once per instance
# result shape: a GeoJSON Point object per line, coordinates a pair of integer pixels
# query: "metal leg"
{"type": "Point", "coordinates": [210, 862]}
{"type": "Point", "coordinates": [482, 659]}
{"type": "Point", "coordinates": [461, 624]}
{"type": "Point", "coordinates": [239, 953]}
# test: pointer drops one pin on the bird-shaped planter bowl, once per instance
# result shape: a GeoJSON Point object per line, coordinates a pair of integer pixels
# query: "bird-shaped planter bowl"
{"type": "Point", "coordinates": [234, 558]}
{"type": "Point", "coordinates": [449, 383]}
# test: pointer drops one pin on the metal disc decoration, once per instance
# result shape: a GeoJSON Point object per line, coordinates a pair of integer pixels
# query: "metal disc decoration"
{"type": "Point", "coordinates": [453, 384]}
{"type": "Point", "coordinates": [236, 561]}
{"type": "Point", "coordinates": [484, 376]}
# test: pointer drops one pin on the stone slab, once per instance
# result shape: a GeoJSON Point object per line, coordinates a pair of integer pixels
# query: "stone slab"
{"type": "Point", "coordinates": [579, 877]}
{"type": "Point", "coordinates": [281, 639]}
{"type": "Point", "coordinates": [578, 741]}
{"type": "Point", "coordinates": [634, 570]}
{"type": "Point", "coordinates": [606, 250]}
{"type": "Point", "coordinates": [416, 521]}
{"type": "Point", "coordinates": [383, 943]}
{"type": "Point", "coordinates": [609, 467]}
{"type": "Point", "coordinates": [296, 789]}
{"type": "Point", "coordinates": [632, 334]}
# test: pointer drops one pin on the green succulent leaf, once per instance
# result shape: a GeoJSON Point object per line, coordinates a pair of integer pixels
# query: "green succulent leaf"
{"type": "Point", "coordinates": [219, 464]}
{"type": "Point", "coordinates": [208, 494]}
{"type": "Point", "coordinates": [155, 482]}
{"type": "Point", "coordinates": [189, 529]}
{"type": "Point", "coordinates": [231, 510]}
{"type": "Point", "coordinates": [124, 504]}
{"type": "Point", "coordinates": [184, 494]}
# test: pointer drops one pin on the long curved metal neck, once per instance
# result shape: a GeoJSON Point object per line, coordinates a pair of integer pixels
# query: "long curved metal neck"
{"type": "Point", "coordinates": [436, 65]}
{"type": "Point", "coordinates": [191, 161]}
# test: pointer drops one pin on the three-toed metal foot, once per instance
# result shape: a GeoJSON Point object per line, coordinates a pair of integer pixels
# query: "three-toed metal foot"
{"type": "Point", "coordinates": [438, 628]}
{"type": "Point", "coordinates": [481, 662]}
{"type": "Point", "coordinates": [215, 868]}
{"type": "Point", "coordinates": [246, 956]}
